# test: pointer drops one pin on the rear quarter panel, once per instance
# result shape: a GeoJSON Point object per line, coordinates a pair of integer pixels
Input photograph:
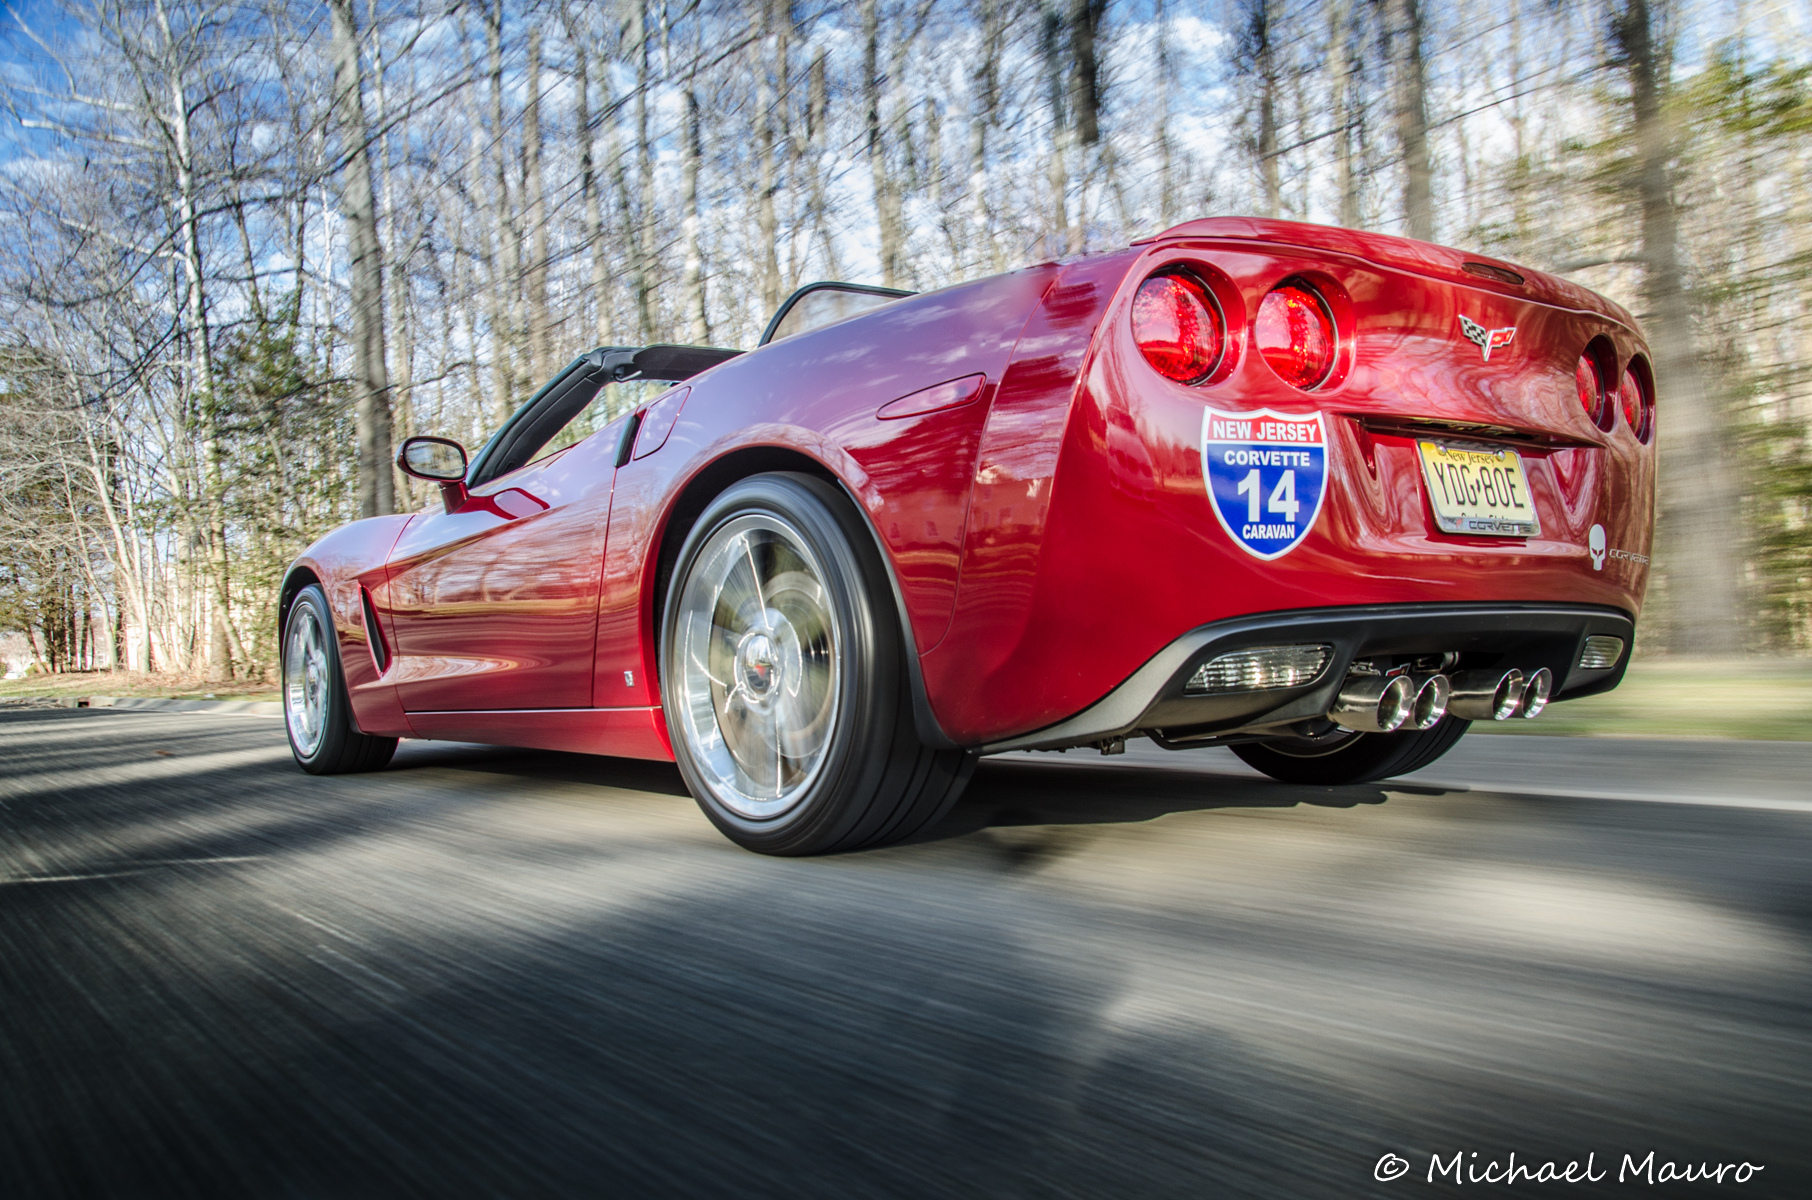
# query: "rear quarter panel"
{"type": "Point", "coordinates": [817, 394]}
{"type": "Point", "coordinates": [1092, 542]}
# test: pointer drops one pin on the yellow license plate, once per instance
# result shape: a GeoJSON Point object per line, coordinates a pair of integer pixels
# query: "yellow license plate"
{"type": "Point", "coordinates": [1478, 491]}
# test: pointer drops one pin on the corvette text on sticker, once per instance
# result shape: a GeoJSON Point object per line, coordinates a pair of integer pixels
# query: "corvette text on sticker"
{"type": "Point", "coordinates": [1266, 474]}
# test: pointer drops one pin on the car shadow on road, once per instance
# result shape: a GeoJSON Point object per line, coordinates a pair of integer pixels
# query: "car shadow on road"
{"type": "Point", "coordinates": [1005, 792]}
{"type": "Point", "coordinates": [554, 766]}
{"type": "Point", "coordinates": [1022, 792]}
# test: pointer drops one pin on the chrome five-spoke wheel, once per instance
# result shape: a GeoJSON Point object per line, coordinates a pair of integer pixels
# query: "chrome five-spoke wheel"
{"type": "Point", "coordinates": [758, 645]}
{"type": "Point", "coordinates": [307, 675]}
{"type": "Point", "coordinates": [784, 676]}
{"type": "Point", "coordinates": [316, 708]}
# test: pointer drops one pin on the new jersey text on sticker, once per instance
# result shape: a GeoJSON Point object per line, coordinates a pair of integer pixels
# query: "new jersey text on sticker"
{"type": "Point", "coordinates": [1266, 474]}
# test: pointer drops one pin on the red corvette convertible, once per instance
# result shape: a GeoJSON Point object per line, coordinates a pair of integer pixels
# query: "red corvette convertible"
{"type": "Point", "coordinates": [1321, 496]}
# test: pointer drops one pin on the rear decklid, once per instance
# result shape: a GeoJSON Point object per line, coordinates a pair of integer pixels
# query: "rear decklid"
{"type": "Point", "coordinates": [1405, 254]}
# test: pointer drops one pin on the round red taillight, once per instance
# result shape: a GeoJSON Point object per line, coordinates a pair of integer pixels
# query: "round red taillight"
{"type": "Point", "coordinates": [1178, 327]}
{"type": "Point", "coordinates": [1295, 335]}
{"type": "Point", "coordinates": [1637, 410]}
{"type": "Point", "coordinates": [1590, 386]}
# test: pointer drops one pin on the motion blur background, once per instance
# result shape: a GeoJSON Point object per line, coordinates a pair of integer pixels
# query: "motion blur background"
{"type": "Point", "coordinates": [247, 244]}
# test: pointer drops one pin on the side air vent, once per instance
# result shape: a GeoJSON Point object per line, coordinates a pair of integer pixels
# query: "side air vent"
{"type": "Point", "coordinates": [374, 634]}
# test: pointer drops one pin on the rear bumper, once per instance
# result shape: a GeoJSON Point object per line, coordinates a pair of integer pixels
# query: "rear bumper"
{"type": "Point", "coordinates": [1152, 699]}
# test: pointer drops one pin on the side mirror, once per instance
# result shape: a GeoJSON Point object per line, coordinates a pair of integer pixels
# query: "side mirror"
{"type": "Point", "coordinates": [438, 460]}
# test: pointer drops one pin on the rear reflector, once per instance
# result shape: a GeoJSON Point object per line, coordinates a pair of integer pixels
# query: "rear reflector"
{"type": "Point", "coordinates": [1638, 410]}
{"type": "Point", "coordinates": [1590, 385]}
{"type": "Point", "coordinates": [1600, 652]}
{"type": "Point", "coordinates": [1296, 335]}
{"type": "Point", "coordinates": [1262, 669]}
{"type": "Point", "coordinates": [1178, 327]}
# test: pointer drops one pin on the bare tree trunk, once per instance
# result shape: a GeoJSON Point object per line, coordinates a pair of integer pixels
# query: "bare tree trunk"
{"type": "Point", "coordinates": [982, 121]}
{"type": "Point", "coordinates": [879, 174]}
{"type": "Point", "coordinates": [619, 184]}
{"type": "Point", "coordinates": [767, 100]}
{"type": "Point", "coordinates": [644, 158]}
{"type": "Point", "coordinates": [1412, 118]}
{"type": "Point", "coordinates": [506, 263]}
{"type": "Point", "coordinates": [588, 176]}
{"type": "Point", "coordinates": [1701, 534]}
{"type": "Point", "coordinates": [1519, 125]}
{"type": "Point", "coordinates": [1265, 63]}
{"type": "Point", "coordinates": [219, 664]}
{"type": "Point", "coordinates": [1085, 103]}
{"type": "Point", "coordinates": [1051, 45]}
{"type": "Point", "coordinates": [541, 351]}
{"type": "Point", "coordinates": [817, 134]}
{"type": "Point", "coordinates": [1341, 64]}
{"type": "Point", "coordinates": [358, 197]}
{"type": "Point", "coordinates": [1167, 184]}
{"type": "Point", "coordinates": [397, 275]}
{"type": "Point", "coordinates": [693, 283]}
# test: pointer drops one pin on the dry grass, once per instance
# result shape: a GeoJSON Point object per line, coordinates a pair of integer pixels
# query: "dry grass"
{"type": "Point", "coordinates": [1767, 699]}
{"type": "Point", "coordinates": [121, 683]}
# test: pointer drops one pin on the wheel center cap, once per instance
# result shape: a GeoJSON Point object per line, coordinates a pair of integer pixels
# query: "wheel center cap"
{"type": "Point", "coordinates": [757, 663]}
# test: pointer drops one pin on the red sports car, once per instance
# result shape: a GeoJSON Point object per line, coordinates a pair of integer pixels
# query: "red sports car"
{"type": "Point", "coordinates": [1321, 496]}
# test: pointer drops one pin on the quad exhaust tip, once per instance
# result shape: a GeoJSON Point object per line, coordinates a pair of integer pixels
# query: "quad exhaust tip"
{"type": "Point", "coordinates": [1432, 695]}
{"type": "Point", "coordinates": [1491, 695]}
{"type": "Point", "coordinates": [1536, 690]}
{"type": "Point", "coordinates": [1374, 703]}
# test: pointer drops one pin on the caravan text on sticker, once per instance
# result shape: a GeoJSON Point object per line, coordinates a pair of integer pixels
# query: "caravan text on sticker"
{"type": "Point", "coordinates": [1266, 474]}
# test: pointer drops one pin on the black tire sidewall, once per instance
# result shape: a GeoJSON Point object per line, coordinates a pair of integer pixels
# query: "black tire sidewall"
{"type": "Point", "coordinates": [1360, 759]}
{"type": "Point", "coordinates": [869, 665]}
{"type": "Point", "coordinates": [328, 756]}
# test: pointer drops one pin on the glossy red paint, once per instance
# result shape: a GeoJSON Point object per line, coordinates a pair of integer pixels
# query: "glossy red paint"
{"type": "Point", "coordinates": [624, 732]}
{"type": "Point", "coordinates": [816, 397]}
{"type": "Point", "coordinates": [1049, 535]}
{"type": "Point", "coordinates": [658, 421]}
{"type": "Point", "coordinates": [346, 561]}
{"type": "Point", "coordinates": [495, 606]}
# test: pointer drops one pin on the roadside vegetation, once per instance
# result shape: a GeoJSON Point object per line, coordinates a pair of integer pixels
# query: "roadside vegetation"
{"type": "Point", "coordinates": [1765, 699]}
{"type": "Point", "coordinates": [1769, 700]}
{"type": "Point", "coordinates": [246, 245]}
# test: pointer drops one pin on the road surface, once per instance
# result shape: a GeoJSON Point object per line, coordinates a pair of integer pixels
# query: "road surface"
{"type": "Point", "coordinates": [490, 972]}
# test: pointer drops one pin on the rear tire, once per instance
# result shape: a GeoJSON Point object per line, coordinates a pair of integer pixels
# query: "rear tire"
{"type": "Point", "coordinates": [1360, 758]}
{"type": "Point", "coordinates": [316, 709]}
{"type": "Point", "coordinates": [784, 677]}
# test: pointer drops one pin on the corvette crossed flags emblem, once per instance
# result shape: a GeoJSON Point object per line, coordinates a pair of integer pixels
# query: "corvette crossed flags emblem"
{"type": "Point", "coordinates": [1487, 340]}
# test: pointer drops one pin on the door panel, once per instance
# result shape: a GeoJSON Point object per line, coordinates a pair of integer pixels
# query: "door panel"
{"type": "Point", "coordinates": [496, 606]}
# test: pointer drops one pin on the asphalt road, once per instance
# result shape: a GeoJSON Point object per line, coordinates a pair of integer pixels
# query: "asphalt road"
{"type": "Point", "coordinates": [486, 972]}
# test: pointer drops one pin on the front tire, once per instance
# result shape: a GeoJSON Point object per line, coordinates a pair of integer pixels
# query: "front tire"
{"type": "Point", "coordinates": [1357, 758]}
{"type": "Point", "coordinates": [316, 709]}
{"type": "Point", "coordinates": [784, 677]}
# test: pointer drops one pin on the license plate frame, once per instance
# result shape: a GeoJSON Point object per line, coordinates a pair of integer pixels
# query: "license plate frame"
{"type": "Point", "coordinates": [1477, 490]}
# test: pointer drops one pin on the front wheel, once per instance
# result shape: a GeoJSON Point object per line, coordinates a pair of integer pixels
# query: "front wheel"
{"type": "Point", "coordinates": [316, 709]}
{"type": "Point", "coordinates": [1354, 758]}
{"type": "Point", "coordinates": [784, 680]}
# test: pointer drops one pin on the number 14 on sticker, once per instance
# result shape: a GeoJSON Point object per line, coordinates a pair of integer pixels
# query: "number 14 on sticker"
{"type": "Point", "coordinates": [1283, 500]}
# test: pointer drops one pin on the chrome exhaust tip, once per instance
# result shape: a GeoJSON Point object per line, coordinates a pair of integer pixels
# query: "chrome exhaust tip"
{"type": "Point", "coordinates": [1486, 695]}
{"type": "Point", "coordinates": [1374, 703]}
{"type": "Point", "coordinates": [1536, 690]}
{"type": "Point", "coordinates": [1432, 695]}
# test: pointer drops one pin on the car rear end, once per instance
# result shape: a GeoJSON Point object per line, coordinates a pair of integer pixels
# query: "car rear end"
{"type": "Point", "coordinates": [1287, 467]}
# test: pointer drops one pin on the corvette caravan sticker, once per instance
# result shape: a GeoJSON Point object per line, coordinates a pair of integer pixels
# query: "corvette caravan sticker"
{"type": "Point", "coordinates": [1266, 474]}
